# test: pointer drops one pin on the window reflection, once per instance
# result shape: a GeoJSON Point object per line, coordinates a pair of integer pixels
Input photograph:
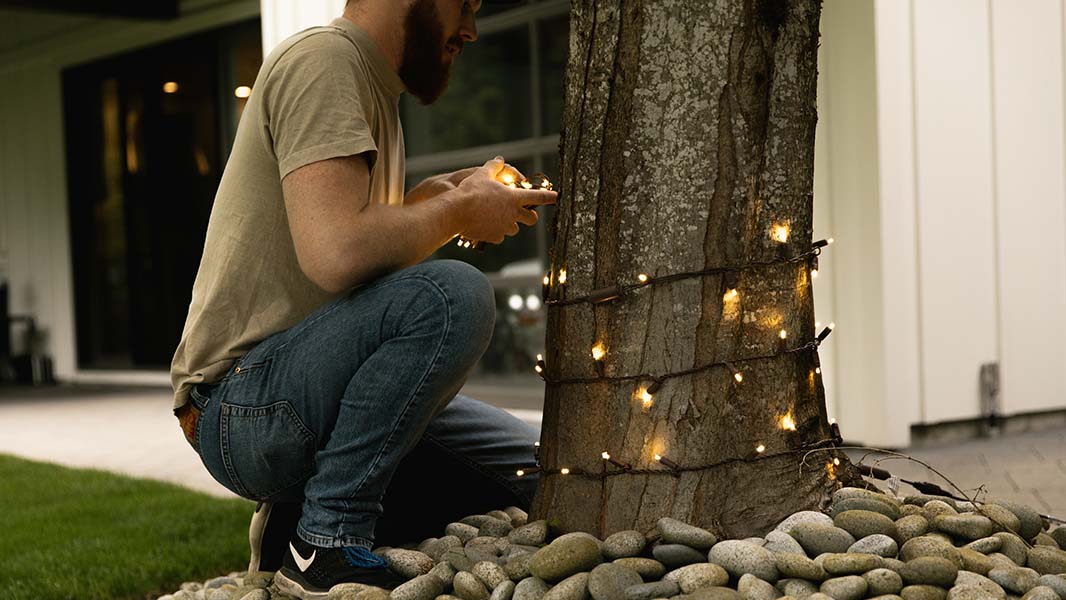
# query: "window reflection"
{"type": "Point", "coordinates": [487, 102]}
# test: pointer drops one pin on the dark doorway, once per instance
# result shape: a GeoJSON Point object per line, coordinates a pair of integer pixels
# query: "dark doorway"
{"type": "Point", "coordinates": [147, 135]}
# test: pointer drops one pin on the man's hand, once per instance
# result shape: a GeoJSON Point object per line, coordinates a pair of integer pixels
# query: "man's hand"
{"type": "Point", "coordinates": [438, 185]}
{"type": "Point", "coordinates": [488, 209]}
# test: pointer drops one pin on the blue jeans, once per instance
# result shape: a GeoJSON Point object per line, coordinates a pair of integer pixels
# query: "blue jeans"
{"type": "Point", "coordinates": [360, 397]}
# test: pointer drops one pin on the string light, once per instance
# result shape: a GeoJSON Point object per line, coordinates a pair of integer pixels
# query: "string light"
{"type": "Point", "coordinates": [673, 466]}
{"type": "Point", "coordinates": [616, 291]}
{"type": "Point", "coordinates": [836, 462]}
{"type": "Point", "coordinates": [780, 233]}
{"type": "Point", "coordinates": [564, 471]}
{"type": "Point", "coordinates": [760, 449]}
{"type": "Point", "coordinates": [783, 334]}
{"type": "Point", "coordinates": [607, 457]}
{"type": "Point", "coordinates": [730, 294]}
{"type": "Point", "coordinates": [527, 471]}
{"type": "Point", "coordinates": [537, 181]}
{"type": "Point", "coordinates": [643, 278]}
{"type": "Point", "coordinates": [818, 370]}
{"type": "Point", "coordinates": [814, 273]}
{"type": "Point", "coordinates": [645, 397]}
{"type": "Point", "coordinates": [598, 351]}
{"type": "Point", "coordinates": [787, 423]}
{"type": "Point", "coordinates": [825, 332]}
{"type": "Point", "coordinates": [547, 280]}
{"type": "Point", "coordinates": [737, 375]}
{"type": "Point", "coordinates": [562, 276]}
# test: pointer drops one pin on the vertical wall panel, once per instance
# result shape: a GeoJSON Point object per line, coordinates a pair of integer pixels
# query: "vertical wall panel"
{"type": "Point", "coordinates": [850, 112]}
{"type": "Point", "coordinates": [955, 203]}
{"type": "Point", "coordinates": [899, 228]}
{"type": "Point", "coordinates": [1031, 202]}
{"type": "Point", "coordinates": [825, 284]}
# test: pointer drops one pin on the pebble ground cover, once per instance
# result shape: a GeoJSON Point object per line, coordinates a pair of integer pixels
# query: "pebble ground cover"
{"type": "Point", "coordinates": [868, 544]}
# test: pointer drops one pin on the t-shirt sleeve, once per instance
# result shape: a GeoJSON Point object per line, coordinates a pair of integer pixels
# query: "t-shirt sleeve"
{"type": "Point", "coordinates": [316, 104]}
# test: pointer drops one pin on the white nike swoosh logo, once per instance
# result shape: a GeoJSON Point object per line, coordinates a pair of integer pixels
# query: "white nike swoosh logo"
{"type": "Point", "coordinates": [300, 561]}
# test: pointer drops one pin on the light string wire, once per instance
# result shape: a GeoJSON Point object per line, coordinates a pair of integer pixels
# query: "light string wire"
{"type": "Point", "coordinates": [659, 379]}
{"type": "Point", "coordinates": [669, 467]}
{"type": "Point", "coordinates": [614, 292]}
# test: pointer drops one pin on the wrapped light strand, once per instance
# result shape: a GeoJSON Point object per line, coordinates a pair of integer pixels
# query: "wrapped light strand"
{"type": "Point", "coordinates": [658, 380]}
{"type": "Point", "coordinates": [538, 181]}
{"type": "Point", "coordinates": [664, 465]}
{"type": "Point", "coordinates": [614, 292]}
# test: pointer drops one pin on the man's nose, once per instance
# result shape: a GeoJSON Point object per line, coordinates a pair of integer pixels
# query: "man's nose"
{"type": "Point", "coordinates": [468, 29]}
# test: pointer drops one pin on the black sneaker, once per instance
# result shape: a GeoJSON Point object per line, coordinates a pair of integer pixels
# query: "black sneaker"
{"type": "Point", "coordinates": [309, 572]}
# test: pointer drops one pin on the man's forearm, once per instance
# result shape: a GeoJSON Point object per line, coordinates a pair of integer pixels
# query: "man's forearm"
{"type": "Point", "coordinates": [387, 238]}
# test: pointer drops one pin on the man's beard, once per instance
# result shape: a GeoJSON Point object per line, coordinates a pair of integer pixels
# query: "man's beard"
{"type": "Point", "coordinates": [424, 71]}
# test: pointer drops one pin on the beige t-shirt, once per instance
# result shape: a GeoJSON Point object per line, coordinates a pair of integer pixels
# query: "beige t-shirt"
{"type": "Point", "coordinates": [323, 93]}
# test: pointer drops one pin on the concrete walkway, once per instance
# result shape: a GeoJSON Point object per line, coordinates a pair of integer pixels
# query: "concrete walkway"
{"type": "Point", "coordinates": [131, 431]}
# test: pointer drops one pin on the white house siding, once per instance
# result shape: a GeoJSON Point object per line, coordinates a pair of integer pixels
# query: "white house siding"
{"type": "Point", "coordinates": [1027, 83]}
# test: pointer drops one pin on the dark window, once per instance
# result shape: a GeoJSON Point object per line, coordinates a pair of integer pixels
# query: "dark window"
{"type": "Point", "coordinates": [147, 136]}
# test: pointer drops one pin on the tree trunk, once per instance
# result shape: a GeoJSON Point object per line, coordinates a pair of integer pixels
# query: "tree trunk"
{"type": "Point", "coordinates": [688, 142]}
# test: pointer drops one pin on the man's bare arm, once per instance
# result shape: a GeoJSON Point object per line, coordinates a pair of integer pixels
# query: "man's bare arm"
{"type": "Point", "coordinates": [343, 240]}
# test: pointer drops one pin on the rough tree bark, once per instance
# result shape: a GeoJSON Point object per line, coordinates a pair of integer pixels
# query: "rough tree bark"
{"type": "Point", "coordinates": [688, 136]}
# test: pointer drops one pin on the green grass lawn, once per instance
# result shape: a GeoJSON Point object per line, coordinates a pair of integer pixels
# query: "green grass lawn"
{"type": "Point", "coordinates": [77, 533]}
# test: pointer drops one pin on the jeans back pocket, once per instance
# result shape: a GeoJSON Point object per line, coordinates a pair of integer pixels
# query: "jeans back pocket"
{"type": "Point", "coordinates": [265, 449]}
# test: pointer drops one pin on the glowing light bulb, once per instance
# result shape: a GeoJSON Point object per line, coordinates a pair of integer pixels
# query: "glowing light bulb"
{"type": "Point", "coordinates": [642, 278]}
{"type": "Point", "coordinates": [779, 233]}
{"type": "Point", "coordinates": [562, 276]}
{"type": "Point", "coordinates": [658, 458]}
{"type": "Point", "coordinates": [832, 325]}
{"type": "Point", "coordinates": [533, 302]}
{"type": "Point", "coordinates": [540, 357]}
{"type": "Point", "coordinates": [760, 448]}
{"type": "Point", "coordinates": [564, 471]}
{"type": "Point", "coordinates": [515, 302]}
{"type": "Point", "coordinates": [598, 351]}
{"type": "Point", "coordinates": [507, 179]}
{"type": "Point", "coordinates": [646, 397]}
{"type": "Point", "coordinates": [606, 456]}
{"type": "Point", "coordinates": [538, 368]}
{"type": "Point", "coordinates": [787, 423]}
{"type": "Point", "coordinates": [832, 421]}
{"type": "Point", "coordinates": [520, 472]}
{"type": "Point", "coordinates": [836, 462]}
{"type": "Point", "coordinates": [526, 184]}
{"type": "Point", "coordinates": [170, 87]}
{"type": "Point", "coordinates": [731, 294]}
{"type": "Point", "coordinates": [814, 273]}
{"type": "Point", "coordinates": [783, 334]}
{"type": "Point", "coordinates": [547, 280]}
{"type": "Point", "coordinates": [818, 370]}
{"type": "Point", "coordinates": [830, 241]}
{"type": "Point", "coordinates": [242, 91]}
